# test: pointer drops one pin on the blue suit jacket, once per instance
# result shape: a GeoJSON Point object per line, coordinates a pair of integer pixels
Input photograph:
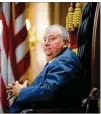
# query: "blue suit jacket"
{"type": "Point", "coordinates": [56, 84]}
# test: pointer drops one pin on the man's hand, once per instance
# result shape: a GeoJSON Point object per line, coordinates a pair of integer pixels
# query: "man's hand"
{"type": "Point", "coordinates": [14, 89]}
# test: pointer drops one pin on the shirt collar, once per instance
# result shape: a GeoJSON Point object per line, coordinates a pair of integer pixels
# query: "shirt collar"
{"type": "Point", "coordinates": [51, 60]}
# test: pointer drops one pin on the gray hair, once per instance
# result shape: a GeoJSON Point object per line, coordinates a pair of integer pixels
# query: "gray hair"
{"type": "Point", "coordinates": [62, 30]}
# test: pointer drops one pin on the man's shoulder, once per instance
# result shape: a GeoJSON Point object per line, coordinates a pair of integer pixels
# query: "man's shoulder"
{"type": "Point", "coordinates": [67, 61]}
{"type": "Point", "coordinates": [67, 54]}
{"type": "Point", "coordinates": [67, 57]}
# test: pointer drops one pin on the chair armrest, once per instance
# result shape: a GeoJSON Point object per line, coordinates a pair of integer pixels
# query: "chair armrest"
{"type": "Point", "coordinates": [26, 111]}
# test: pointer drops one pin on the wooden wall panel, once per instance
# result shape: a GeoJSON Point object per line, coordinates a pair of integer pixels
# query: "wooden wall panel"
{"type": "Point", "coordinates": [95, 60]}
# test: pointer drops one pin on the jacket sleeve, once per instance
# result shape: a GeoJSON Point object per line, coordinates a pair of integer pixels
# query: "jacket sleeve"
{"type": "Point", "coordinates": [15, 107]}
{"type": "Point", "coordinates": [59, 73]}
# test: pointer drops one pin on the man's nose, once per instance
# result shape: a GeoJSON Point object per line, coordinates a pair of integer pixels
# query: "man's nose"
{"type": "Point", "coordinates": [47, 43]}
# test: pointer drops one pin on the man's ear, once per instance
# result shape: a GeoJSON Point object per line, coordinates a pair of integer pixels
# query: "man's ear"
{"type": "Point", "coordinates": [66, 42]}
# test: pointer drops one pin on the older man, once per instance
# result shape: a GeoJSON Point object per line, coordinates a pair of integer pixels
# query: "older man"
{"type": "Point", "coordinates": [56, 88]}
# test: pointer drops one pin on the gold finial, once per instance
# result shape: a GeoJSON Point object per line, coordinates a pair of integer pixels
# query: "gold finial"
{"type": "Point", "coordinates": [69, 18]}
{"type": "Point", "coordinates": [70, 10]}
{"type": "Point", "coordinates": [77, 15]}
{"type": "Point", "coordinates": [32, 37]}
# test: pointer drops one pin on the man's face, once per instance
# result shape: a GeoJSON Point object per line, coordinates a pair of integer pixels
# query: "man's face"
{"type": "Point", "coordinates": [53, 43]}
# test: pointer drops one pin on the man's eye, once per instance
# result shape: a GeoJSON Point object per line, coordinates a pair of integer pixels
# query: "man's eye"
{"type": "Point", "coordinates": [52, 38]}
{"type": "Point", "coordinates": [44, 39]}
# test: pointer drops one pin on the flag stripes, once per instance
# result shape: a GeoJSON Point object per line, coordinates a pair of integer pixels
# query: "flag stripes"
{"type": "Point", "coordinates": [15, 57]}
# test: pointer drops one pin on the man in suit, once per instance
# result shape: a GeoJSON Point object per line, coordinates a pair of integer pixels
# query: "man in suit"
{"type": "Point", "coordinates": [56, 88]}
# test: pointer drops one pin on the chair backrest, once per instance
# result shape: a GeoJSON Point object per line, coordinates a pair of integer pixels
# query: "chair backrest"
{"type": "Point", "coordinates": [85, 39]}
{"type": "Point", "coordinates": [85, 42]}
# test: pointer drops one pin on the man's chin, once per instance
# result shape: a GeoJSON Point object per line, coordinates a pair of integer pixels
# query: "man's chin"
{"type": "Point", "coordinates": [48, 54]}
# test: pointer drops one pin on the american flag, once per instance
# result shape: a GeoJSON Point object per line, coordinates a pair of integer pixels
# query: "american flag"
{"type": "Point", "coordinates": [15, 57]}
